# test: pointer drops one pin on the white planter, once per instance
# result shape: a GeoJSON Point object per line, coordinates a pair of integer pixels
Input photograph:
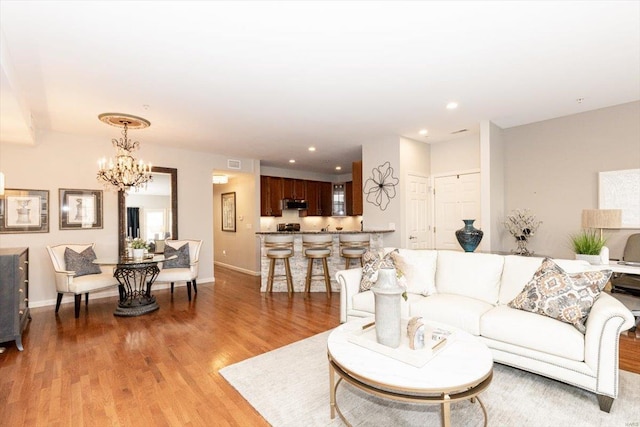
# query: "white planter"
{"type": "Point", "coordinates": [138, 254]}
{"type": "Point", "coordinates": [591, 259]}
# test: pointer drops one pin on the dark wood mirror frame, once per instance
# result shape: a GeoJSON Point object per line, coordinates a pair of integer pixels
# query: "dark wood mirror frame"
{"type": "Point", "coordinates": [122, 208]}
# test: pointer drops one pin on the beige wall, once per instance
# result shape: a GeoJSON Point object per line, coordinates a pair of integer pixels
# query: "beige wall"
{"type": "Point", "coordinates": [65, 161]}
{"type": "Point", "coordinates": [551, 167]}
{"type": "Point", "coordinates": [238, 250]}
{"type": "Point", "coordinates": [458, 155]}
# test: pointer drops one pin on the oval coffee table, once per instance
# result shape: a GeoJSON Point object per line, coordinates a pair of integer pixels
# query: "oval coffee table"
{"type": "Point", "coordinates": [461, 369]}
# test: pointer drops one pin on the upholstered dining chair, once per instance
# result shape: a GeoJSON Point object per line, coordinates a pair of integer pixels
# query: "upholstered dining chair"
{"type": "Point", "coordinates": [184, 267]}
{"type": "Point", "coordinates": [75, 272]}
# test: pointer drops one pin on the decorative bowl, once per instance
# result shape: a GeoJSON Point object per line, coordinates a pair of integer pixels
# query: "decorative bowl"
{"type": "Point", "coordinates": [339, 228]}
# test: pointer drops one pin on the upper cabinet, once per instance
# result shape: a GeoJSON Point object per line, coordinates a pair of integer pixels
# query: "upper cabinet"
{"type": "Point", "coordinates": [294, 189]}
{"type": "Point", "coordinates": [270, 196]}
{"type": "Point", "coordinates": [320, 196]}
{"type": "Point", "coordinates": [356, 189]}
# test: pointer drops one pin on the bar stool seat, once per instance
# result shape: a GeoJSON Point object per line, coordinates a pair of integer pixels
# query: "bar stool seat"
{"type": "Point", "coordinates": [317, 246]}
{"type": "Point", "coordinates": [353, 246]}
{"type": "Point", "coordinates": [279, 247]}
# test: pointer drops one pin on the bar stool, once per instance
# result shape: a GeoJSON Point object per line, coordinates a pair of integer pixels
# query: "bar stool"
{"type": "Point", "coordinates": [353, 246]}
{"type": "Point", "coordinates": [317, 246]}
{"type": "Point", "coordinates": [279, 247]}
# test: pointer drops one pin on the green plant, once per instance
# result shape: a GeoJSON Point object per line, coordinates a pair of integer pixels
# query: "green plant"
{"type": "Point", "coordinates": [139, 244]}
{"type": "Point", "coordinates": [587, 242]}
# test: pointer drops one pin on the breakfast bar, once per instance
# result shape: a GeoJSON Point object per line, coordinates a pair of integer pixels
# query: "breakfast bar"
{"type": "Point", "coordinates": [299, 263]}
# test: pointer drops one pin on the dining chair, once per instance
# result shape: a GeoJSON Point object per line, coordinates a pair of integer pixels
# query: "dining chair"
{"type": "Point", "coordinates": [75, 272]}
{"type": "Point", "coordinates": [184, 267]}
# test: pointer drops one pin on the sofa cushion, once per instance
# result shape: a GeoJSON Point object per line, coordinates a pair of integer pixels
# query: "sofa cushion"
{"type": "Point", "coordinates": [518, 270]}
{"type": "Point", "coordinates": [182, 259]}
{"type": "Point", "coordinates": [81, 263]}
{"type": "Point", "coordinates": [455, 310]}
{"type": "Point", "coordinates": [365, 301]}
{"type": "Point", "coordinates": [530, 330]}
{"type": "Point", "coordinates": [372, 261]}
{"type": "Point", "coordinates": [469, 274]}
{"type": "Point", "coordinates": [419, 269]}
{"type": "Point", "coordinates": [566, 297]}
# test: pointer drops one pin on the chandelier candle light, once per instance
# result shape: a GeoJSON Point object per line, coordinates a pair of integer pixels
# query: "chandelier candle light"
{"type": "Point", "coordinates": [125, 172]}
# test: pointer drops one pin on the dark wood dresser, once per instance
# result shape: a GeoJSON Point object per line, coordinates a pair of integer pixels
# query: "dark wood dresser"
{"type": "Point", "coordinates": [14, 294]}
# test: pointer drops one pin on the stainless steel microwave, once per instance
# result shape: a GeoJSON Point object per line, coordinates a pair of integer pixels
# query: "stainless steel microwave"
{"type": "Point", "coordinates": [294, 204]}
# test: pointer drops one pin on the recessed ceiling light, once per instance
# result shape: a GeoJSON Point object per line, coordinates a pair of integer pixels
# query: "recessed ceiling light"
{"type": "Point", "coordinates": [579, 100]}
{"type": "Point", "coordinates": [312, 148]}
{"type": "Point", "coordinates": [292, 161]}
{"type": "Point", "coordinates": [452, 106]}
{"type": "Point", "coordinates": [423, 132]}
{"type": "Point", "coordinates": [338, 168]}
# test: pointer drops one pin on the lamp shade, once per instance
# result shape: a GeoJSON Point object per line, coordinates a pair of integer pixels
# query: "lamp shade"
{"type": "Point", "coordinates": [601, 218]}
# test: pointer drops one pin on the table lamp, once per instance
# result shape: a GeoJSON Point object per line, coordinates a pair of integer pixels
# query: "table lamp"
{"type": "Point", "coordinates": [601, 219]}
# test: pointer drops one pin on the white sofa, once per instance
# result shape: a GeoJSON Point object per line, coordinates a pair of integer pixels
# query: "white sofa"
{"type": "Point", "coordinates": [471, 291]}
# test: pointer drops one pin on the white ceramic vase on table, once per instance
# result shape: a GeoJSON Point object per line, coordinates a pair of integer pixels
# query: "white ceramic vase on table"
{"type": "Point", "coordinates": [138, 254]}
{"type": "Point", "coordinates": [387, 294]}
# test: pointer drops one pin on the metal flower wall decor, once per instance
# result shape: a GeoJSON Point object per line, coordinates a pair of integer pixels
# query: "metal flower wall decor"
{"type": "Point", "coordinates": [381, 187]}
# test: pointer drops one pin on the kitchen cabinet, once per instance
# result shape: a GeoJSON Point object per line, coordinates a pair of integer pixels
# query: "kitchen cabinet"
{"type": "Point", "coordinates": [356, 189]}
{"type": "Point", "coordinates": [14, 294]}
{"type": "Point", "coordinates": [348, 198]}
{"type": "Point", "coordinates": [314, 207]}
{"type": "Point", "coordinates": [294, 189]}
{"type": "Point", "coordinates": [326, 198]}
{"type": "Point", "coordinates": [270, 196]}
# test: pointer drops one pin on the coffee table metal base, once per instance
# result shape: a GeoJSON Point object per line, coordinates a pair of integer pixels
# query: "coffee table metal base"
{"type": "Point", "coordinates": [445, 399]}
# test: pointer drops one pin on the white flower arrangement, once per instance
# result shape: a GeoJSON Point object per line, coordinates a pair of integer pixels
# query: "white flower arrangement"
{"type": "Point", "coordinates": [522, 225]}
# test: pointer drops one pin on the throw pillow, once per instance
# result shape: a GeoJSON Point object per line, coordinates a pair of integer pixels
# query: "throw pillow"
{"type": "Point", "coordinates": [182, 259]}
{"type": "Point", "coordinates": [372, 261]}
{"type": "Point", "coordinates": [419, 269]}
{"type": "Point", "coordinates": [562, 296]}
{"type": "Point", "coordinates": [81, 263]}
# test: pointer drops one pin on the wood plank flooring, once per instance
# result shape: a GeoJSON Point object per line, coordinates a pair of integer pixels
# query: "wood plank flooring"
{"type": "Point", "coordinates": [161, 369]}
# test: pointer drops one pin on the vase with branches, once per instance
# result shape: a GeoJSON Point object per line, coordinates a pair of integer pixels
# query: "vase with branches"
{"type": "Point", "coordinates": [522, 225]}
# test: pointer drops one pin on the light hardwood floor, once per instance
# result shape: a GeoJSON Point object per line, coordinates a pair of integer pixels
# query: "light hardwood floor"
{"type": "Point", "coordinates": [161, 369]}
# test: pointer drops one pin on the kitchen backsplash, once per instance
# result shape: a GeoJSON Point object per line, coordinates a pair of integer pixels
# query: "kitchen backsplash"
{"type": "Point", "coordinates": [314, 223]}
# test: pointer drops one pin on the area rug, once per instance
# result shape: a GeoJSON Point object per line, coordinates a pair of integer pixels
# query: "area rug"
{"type": "Point", "coordinates": [289, 386]}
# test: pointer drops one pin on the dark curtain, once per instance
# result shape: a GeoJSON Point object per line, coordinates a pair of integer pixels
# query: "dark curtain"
{"type": "Point", "coordinates": [133, 222]}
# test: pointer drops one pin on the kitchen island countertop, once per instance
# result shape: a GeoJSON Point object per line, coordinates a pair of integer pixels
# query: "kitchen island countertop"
{"type": "Point", "coordinates": [326, 232]}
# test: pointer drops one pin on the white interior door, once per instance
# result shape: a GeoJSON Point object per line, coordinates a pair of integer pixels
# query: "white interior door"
{"type": "Point", "coordinates": [456, 197]}
{"type": "Point", "coordinates": [418, 213]}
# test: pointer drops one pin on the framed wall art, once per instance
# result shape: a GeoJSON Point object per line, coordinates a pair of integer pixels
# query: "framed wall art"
{"type": "Point", "coordinates": [24, 211]}
{"type": "Point", "coordinates": [229, 212]}
{"type": "Point", "coordinates": [80, 209]}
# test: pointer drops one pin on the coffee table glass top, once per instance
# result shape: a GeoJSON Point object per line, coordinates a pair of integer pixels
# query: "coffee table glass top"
{"type": "Point", "coordinates": [462, 362]}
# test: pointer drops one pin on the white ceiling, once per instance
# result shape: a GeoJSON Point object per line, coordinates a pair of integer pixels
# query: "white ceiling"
{"type": "Point", "coordinates": [268, 79]}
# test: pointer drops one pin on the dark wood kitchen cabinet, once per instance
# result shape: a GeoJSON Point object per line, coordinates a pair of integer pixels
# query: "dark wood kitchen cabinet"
{"type": "Point", "coordinates": [356, 189]}
{"type": "Point", "coordinates": [326, 198]}
{"type": "Point", "coordinates": [314, 207]}
{"type": "Point", "coordinates": [294, 189]}
{"type": "Point", "coordinates": [14, 294]}
{"type": "Point", "coordinates": [270, 196]}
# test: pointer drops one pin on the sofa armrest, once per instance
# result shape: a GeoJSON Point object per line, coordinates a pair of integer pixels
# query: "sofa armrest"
{"type": "Point", "coordinates": [349, 281]}
{"type": "Point", "coordinates": [607, 319]}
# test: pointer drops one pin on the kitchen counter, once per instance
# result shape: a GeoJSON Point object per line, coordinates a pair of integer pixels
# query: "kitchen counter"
{"type": "Point", "coordinates": [299, 263]}
{"type": "Point", "coordinates": [327, 232]}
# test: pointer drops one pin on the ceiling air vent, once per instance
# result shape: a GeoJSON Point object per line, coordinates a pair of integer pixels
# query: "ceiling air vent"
{"type": "Point", "coordinates": [459, 131]}
{"type": "Point", "coordinates": [234, 164]}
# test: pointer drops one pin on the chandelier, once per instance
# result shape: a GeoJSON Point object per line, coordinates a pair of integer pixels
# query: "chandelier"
{"type": "Point", "coordinates": [124, 172]}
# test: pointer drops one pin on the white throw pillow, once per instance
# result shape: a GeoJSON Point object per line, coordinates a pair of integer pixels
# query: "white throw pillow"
{"type": "Point", "coordinates": [419, 269]}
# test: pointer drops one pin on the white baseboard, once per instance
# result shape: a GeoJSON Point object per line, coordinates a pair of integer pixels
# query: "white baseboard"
{"type": "Point", "coordinates": [233, 267]}
{"type": "Point", "coordinates": [68, 298]}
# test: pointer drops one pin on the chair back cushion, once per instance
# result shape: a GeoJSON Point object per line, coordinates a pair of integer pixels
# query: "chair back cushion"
{"type": "Point", "coordinates": [81, 263]}
{"type": "Point", "coordinates": [193, 252]}
{"type": "Point", "coordinates": [182, 259]}
{"type": "Point", "coordinates": [632, 248]}
{"type": "Point", "coordinates": [57, 254]}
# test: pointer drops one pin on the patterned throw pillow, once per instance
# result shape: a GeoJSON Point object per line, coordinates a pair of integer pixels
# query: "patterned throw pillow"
{"type": "Point", "coordinates": [81, 263]}
{"type": "Point", "coordinates": [562, 296]}
{"type": "Point", "coordinates": [182, 259]}
{"type": "Point", "coordinates": [372, 261]}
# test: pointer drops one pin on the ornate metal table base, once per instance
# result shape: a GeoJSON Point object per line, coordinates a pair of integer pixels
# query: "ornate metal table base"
{"type": "Point", "coordinates": [135, 288]}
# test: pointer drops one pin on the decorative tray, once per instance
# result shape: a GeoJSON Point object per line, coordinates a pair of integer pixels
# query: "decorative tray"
{"type": "Point", "coordinates": [366, 337]}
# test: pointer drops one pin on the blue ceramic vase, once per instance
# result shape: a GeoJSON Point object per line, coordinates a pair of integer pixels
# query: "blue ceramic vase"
{"type": "Point", "coordinates": [468, 236]}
